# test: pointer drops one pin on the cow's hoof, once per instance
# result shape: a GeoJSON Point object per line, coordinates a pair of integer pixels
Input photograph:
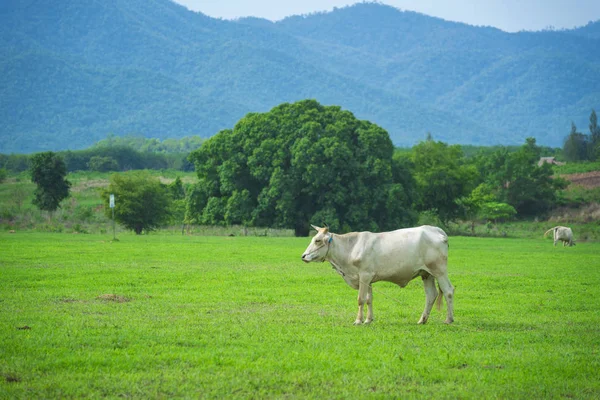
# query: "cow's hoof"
{"type": "Point", "coordinates": [368, 321]}
{"type": "Point", "coordinates": [357, 322]}
{"type": "Point", "coordinates": [449, 321]}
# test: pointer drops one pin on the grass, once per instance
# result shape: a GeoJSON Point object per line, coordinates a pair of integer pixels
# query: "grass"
{"type": "Point", "coordinates": [577, 167]}
{"type": "Point", "coordinates": [82, 211]}
{"type": "Point", "coordinates": [171, 316]}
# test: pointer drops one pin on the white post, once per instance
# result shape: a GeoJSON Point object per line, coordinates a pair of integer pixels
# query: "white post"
{"type": "Point", "coordinates": [112, 206]}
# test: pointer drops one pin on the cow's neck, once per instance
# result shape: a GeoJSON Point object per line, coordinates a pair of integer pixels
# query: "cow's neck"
{"type": "Point", "coordinates": [337, 254]}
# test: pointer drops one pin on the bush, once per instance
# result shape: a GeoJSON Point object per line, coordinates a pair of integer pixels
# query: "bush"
{"type": "Point", "coordinates": [430, 217]}
{"type": "Point", "coordinates": [141, 201]}
{"type": "Point", "coordinates": [103, 164]}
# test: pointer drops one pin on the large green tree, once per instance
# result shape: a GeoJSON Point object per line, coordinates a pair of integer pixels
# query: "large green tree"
{"type": "Point", "coordinates": [141, 201]}
{"type": "Point", "coordinates": [300, 163]}
{"type": "Point", "coordinates": [443, 177]}
{"type": "Point", "coordinates": [48, 172]}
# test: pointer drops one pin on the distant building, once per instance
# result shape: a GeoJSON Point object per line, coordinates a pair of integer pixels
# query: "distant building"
{"type": "Point", "coordinates": [549, 160]}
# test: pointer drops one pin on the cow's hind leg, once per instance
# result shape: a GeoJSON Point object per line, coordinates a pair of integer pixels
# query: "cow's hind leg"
{"type": "Point", "coordinates": [430, 295]}
{"type": "Point", "coordinates": [448, 291]}
{"type": "Point", "coordinates": [369, 305]}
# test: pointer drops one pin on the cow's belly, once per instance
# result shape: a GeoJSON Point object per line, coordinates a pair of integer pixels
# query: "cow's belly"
{"type": "Point", "coordinates": [385, 270]}
{"type": "Point", "coordinates": [400, 278]}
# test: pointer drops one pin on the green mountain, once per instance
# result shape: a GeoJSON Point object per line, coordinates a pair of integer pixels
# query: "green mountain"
{"type": "Point", "coordinates": [72, 72]}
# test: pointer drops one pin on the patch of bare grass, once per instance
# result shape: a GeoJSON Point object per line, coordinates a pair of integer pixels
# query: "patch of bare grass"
{"type": "Point", "coordinates": [11, 378]}
{"type": "Point", "coordinates": [68, 300]}
{"type": "Point", "coordinates": [84, 185]}
{"type": "Point", "coordinates": [113, 297]}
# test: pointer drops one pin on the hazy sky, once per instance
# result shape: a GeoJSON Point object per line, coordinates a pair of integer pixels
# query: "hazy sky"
{"type": "Point", "coordinates": [508, 15]}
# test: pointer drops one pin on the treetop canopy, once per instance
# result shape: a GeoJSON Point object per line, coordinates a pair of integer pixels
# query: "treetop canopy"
{"type": "Point", "coordinates": [297, 164]}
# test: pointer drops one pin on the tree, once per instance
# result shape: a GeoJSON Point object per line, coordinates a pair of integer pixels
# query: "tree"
{"type": "Point", "coordinates": [18, 195]}
{"type": "Point", "coordinates": [48, 171]}
{"type": "Point", "coordinates": [482, 203]}
{"type": "Point", "coordinates": [576, 146]}
{"type": "Point", "coordinates": [474, 203]}
{"type": "Point", "coordinates": [531, 189]}
{"type": "Point", "coordinates": [15, 162]}
{"type": "Point", "coordinates": [102, 164]}
{"type": "Point", "coordinates": [594, 152]}
{"type": "Point", "coordinates": [402, 192]}
{"type": "Point", "coordinates": [443, 177]}
{"type": "Point", "coordinates": [176, 189]}
{"type": "Point", "coordinates": [177, 209]}
{"type": "Point", "coordinates": [493, 211]}
{"type": "Point", "coordinates": [298, 164]}
{"type": "Point", "coordinates": [519, 181]}
{"type": "Point", "coordinates": [141, 201]}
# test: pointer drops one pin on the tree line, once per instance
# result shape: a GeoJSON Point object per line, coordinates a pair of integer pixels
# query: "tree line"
{"type": "Point", "coordinates": [583, 147]}
{"type": "Point", "coordinates": [305, 163]}
{"type": "Point", "coordinates": [119, 154]}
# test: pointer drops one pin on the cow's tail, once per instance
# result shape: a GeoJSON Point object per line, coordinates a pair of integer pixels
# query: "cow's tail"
{"type": "Point", "coordinates": [440, 297]}
{"type": "Point", "coordinates": [548, 231]}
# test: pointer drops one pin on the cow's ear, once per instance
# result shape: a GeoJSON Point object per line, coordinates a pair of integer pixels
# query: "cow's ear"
{"type": "Point", "coordinates": [325, 230]}
{"type": "Point", "coordinates": [316, 228]}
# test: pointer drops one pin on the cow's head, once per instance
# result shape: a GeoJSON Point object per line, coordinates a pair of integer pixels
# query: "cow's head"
{"type": "Point", "coordinates": [319, 245]}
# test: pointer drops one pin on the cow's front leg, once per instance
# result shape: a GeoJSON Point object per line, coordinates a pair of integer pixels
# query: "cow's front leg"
{"type": "Point", "coordinates": [364, 297]}
{"type": "Point", "coordinates": [359, 316]}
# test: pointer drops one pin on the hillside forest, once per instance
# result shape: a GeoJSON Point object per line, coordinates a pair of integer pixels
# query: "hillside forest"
{"type": "Point", "coordinates": [304, 163]}
{"type": "Point", "coordinates": [73, 71]}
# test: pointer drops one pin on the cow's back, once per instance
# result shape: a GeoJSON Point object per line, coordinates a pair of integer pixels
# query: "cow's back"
{"type": "Point", "coordinates": [564, 234]}
{"type": "Point", "coordinates": [420, 238]}
{"type": "Point", "coordinates": [399, 255]}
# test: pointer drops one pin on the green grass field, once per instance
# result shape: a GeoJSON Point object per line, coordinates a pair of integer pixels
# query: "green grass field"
{"type": "Point", "coordinates": [169, 316]}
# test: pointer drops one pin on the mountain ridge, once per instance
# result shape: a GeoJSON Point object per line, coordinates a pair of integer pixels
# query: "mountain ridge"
{"type": "Point", "coordinates": [71, 73]}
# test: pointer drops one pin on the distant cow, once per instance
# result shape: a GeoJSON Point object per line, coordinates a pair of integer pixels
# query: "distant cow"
{"type": "Point", "coordinates": [362, 258]}
{"type": "Point", "coordinates": [563, 234]}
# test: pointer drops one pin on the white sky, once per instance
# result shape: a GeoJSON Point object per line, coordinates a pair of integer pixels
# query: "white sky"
{"type": "Point", "coordinates": [508, 15]}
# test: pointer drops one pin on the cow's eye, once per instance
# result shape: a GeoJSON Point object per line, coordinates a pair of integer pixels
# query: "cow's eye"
{"type": "Point", "coordinates": [318, 241]}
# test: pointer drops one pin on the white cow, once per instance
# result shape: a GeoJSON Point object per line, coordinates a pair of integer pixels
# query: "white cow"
{"type": "Point", "coordinates": [363, 258]}
{"type": "Point", "coordinates": [563, 234]}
